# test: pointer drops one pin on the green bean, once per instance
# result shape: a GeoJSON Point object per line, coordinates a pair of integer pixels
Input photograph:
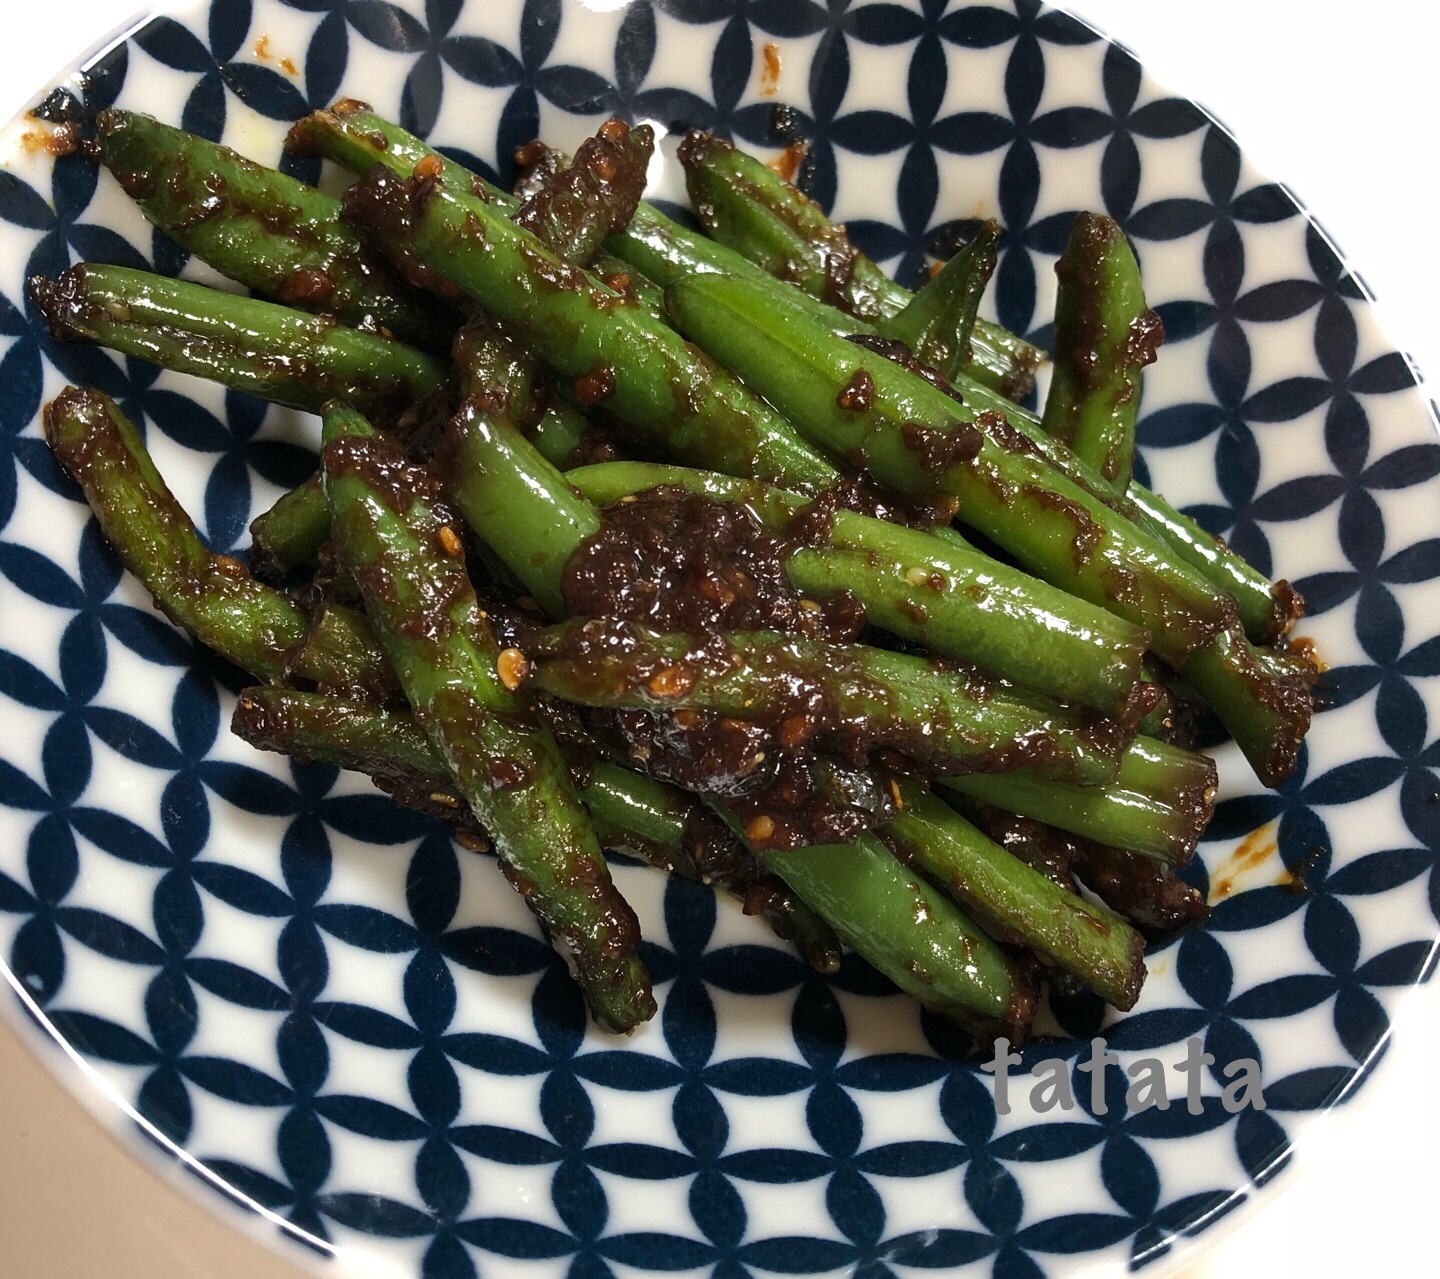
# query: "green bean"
{"type": "Point", "coordinates": [341, 655]}
{"type": "Point", "coordinates": [262, 228]}
{"type": "Point", "coordinates": [1104, 336]}
{"type": "Point", "coordinates": [385, 743]}
{"type": "Point", "coordinates": [1020, 903]}
{"type": "Point", "coordinates": [908, 931]}
{"type": "Point", "coordinates": [212, 597]}
{"type": "Point", "coordinates": [907, 432]}
{"type": "Point", "coordinates": [864, 698]}
{"type": "Point", "coordinates": [459, 682]}
{"type": "Point", "coordinates": [1027, 493]}
{"type": "Point", "coordinates": [654, 821]}
{"type": "Point", "coordinates": [1266, 608]}
{"type": "Point", "coordinates": [1162, 720]}
{"type": "Point", "coordinates": [639, 369]}
{"type": "Point", "coordinates": [573, 211]}
{"type": "Point", "coordinates": [496, 368]}
{"type": "Point", "coordinates": [258, 347]}
{"type": "Point", "coordinates": [937, 324]}
{"type": "Point", "coordinates": [1261, 696]}
{"type": "Point", "coordinates": [354, 137]}
{"type": "Point", "coordinates": [1266, 707]}
{"type": "Point", "coordinates": [926, 588]}
{"type": "Point", "coordinates": [665, 251]}
{"type": "Point", "coordinates": [561, 435]}
{"type": "Point", "coordinates": [518, 504]}
{"type": "Point", "coordinates": [663, 825]}
{"type": "Point", "coordinates": [252, 346]}
{"type": "Point", "coordinates": [291, 532]}
{"type": "Point", "coordinates": [791, 238]}
{"type": "Point", "coordinates": [1159, 803]}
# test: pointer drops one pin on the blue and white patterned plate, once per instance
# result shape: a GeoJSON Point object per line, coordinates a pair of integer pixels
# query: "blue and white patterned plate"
{"type": "Point", "coordinates": [354, 1026]}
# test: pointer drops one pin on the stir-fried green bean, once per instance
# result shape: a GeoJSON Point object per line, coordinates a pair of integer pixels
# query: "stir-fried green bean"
{"type": "Point", "coordinates": [1019, 696]}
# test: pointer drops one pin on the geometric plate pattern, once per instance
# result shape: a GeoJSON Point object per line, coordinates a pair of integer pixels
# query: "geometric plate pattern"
{"type": "Point", "coordinates": [354, 1026]}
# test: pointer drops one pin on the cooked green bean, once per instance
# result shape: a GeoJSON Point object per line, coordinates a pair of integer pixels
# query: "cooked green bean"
{"type": "Point", "coordinates": [860, 697]}
{"type": "Point", "coordinates": [263, 229]}
{"type": "Point", "coordinates": [778, 229]}
{"type": "Point", "coordinates": [515, 501]}
{"type": "Point", "coordinates": [261, 348]}
{"type": "Point", "coordinates": [461, 685]}
{"type": "Point", "coordinates": [925, 588]}
{"type": "Point", "coordinates": [654, 821]}
{"type": "Point", "coordinates": [639, 369]}
{"type": "Point", "coordinates": [1027, 493]}
{"type": "Point", "coordinates": [938, 323]}
{"type": "Point", "coordinates": [927, 446]}
{"type": "Point", "coordinates": [1020, 903]}
{"type": "Point", "coordinates": [354, 137]}
{"type": "Point", "coordinates": [1104, 336]}
{"type": "Point", "coordinates": [1159, 803]}
{"type": "Point", "coordinates": [909, 931]}
{"type": "Point", "coordinates": [210, 596]}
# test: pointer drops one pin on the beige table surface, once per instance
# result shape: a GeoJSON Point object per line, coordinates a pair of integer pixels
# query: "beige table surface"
{"type": "Point", "coordinates": [75, 1203]}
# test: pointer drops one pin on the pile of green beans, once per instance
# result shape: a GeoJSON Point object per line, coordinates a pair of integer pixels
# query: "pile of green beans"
{"type": "Point", "coordinates": [1008, 734]}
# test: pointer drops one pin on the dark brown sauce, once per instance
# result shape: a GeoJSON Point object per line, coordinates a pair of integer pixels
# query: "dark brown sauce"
{"type": "Point", "coordinates": [681, 562]}
{"type": "Point", "coordinates": [858, 394]}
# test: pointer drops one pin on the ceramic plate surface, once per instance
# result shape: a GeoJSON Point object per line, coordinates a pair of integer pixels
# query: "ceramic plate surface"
{"type": "Point", "coordinates": [356, 1027]}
